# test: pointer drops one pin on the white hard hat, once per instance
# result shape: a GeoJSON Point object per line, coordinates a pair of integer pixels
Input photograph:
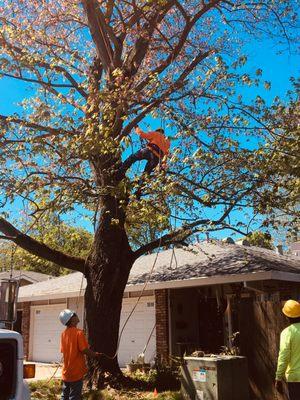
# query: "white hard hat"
{"type": "Point", "coordinates": [65, 316]}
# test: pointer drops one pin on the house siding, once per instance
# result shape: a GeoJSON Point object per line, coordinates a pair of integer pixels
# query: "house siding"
{"type": "Point", "coordinates": [162, 325]}
{"type": "Point", "coordinates": [25, 307]}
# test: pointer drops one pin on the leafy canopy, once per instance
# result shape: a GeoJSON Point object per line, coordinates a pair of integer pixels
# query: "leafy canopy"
{"type": "Point", "coordinates": [54, 233]}
{"type": "Point", "coordinates": [94, 70]}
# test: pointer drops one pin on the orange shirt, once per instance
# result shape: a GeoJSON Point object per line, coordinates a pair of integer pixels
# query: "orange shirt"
{"type": "Point", "coordinates": [158, 139]}
{"type": "Point", "coordinates": [73, 342]}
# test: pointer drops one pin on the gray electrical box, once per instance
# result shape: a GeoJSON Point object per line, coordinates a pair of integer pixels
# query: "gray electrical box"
{"type": "Point", "coordinates": [214, 378]}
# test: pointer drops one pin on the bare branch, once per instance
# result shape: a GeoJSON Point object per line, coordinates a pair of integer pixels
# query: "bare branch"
{"type": "Point", "coordinates": [187, 230]}
{"type": "Point", "coordinates": [179, 234]}
{"type": "Point", "coordinates": [109, 10]}
{"type": "Point", "coordinates": [182, 10]}
{"type": "Point", "coordinates": [100, 33]}
{"type": "Point", "coordinates": [4, 237]}
{"type": "Point", "coordinates": [176, 85]}
{"type": "Point", "coordinates": [180, 44]}
{"type": "Point", "coordinates": [138, 53]}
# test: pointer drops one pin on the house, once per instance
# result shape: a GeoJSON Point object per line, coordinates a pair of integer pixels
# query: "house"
{"type": "Point", "coordinates": [196, 298]}
{"type": "Point", "coordinates": [25, 278]}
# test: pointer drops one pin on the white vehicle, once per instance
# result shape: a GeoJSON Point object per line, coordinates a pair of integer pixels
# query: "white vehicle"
{"type": "Point", "coordinates": [12, 384]}
{"type": "Point", "coordinates": [12, 371]}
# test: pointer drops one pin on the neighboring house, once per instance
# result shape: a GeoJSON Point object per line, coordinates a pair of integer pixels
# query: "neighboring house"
{"type": "Point", "coordinates": [196, 298]}
{"type": "Point", "coordinates": [295, 249]}
{"type": "Point", "coordinates": [25, 278]}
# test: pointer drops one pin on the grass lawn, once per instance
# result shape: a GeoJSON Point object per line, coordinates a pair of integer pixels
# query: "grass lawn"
{"type": "Point", "coordinates": [52, 390]}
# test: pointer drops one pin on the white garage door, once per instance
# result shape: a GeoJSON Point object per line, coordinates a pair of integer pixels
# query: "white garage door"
{"type": "Point", "coordinates": [45, 334]}
{"type": "Point", "coordinates": [138, 330]}
{"type": "Point", "coordinates": [46, 330]}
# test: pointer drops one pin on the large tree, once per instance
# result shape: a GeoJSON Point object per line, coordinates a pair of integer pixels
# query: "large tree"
{"type": "Point", "coordinates": [97, 69]}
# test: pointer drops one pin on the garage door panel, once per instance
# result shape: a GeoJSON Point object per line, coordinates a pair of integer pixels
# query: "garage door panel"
{"type": "Point", "coordinates": [46, 333]}
{"type": "Point", "coordinates": [137, 330]}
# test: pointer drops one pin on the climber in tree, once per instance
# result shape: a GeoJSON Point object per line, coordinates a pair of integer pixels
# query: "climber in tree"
{"type": "Point", "coordinates": [155, 152]}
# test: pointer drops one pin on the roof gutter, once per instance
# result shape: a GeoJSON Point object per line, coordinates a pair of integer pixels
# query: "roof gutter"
{"type": "Point", "coordinates": [50, 296]}
{"type": "Point", "coordinates": [218, 280]}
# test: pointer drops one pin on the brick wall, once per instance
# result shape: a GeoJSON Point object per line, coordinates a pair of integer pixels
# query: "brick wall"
{"type": "Point", "coordinates": [25, 326]}
{"type": "Point", "coordinates": [162, 324]}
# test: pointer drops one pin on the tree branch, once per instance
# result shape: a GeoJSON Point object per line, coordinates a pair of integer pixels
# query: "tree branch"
{"type": "Point", "coordinates": [182, 233]}
{"type": "Point", "coordinates": [176, 85]}
{"type": "Point", "coordinates": [109, 9]}
{"type": "Point", "coordinates": [51, 131]}
{"type": "Point", "coordinates": [180, 44]}
{"type": "Point", "coordinates": [100, 33]}
{"type": "Point", "coordinates": [40, 249]}
{"type": "Point", "coordinates": [37, 81]}
{"type": "Point", "coordinates": [26, 61]}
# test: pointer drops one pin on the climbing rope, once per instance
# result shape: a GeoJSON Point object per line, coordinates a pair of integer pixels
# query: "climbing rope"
{"type": "Point", "coordinates": [135, 306]}
{"type": "Point", "coordinates": [139, 297]}
{"type": "Point", "coordinates": [149, 338]}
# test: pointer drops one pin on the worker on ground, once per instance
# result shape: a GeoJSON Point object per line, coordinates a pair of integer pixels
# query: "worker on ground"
{"type": "Point", "coordinates": [288, 366]}
{"type": "Point", "coordinates": [155, 152]}
{"type": "Point", "coordinates": [73, 347]}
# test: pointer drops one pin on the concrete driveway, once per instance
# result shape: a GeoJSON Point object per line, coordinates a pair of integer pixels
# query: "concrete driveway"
{"type": "Point", "coordinates": [45, 371]}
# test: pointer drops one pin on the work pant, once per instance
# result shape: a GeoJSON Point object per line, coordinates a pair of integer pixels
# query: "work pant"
{"type": "Point", "coordinates": [71, 390]}
{"type": "Point", "coordinates": [143, 154]}
{"type": "Point", "coordinates": [294, 390]}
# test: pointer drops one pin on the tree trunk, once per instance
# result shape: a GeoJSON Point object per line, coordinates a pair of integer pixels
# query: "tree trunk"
{"type": "Point", "coordinates": [107, 270]}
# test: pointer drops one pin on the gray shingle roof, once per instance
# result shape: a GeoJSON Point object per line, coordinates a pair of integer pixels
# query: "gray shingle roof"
{"type": "Point", "coordinates": [211, 259]}
{"type": "Point", "coordinates": [198, 261]}
{"type": "Point", "coordinates": [31, 276]}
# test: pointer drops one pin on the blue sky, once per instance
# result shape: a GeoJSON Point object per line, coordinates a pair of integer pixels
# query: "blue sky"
{"type": "Point", "coordinates": [277, 68]}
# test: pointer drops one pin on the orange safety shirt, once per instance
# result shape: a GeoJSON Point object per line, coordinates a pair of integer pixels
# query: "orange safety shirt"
{"type": "Point", "coordinates": [73, 342]}
{"type": "Point", "coordinates": [158, 139]}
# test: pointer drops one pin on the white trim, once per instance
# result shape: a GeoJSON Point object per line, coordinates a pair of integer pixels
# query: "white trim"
{"type": "Point", "coordinates": [52, 296]}
{"type": "Point", "coordinates": [31, 326]}
{"type": "Point", "coordinates": [185, 283]}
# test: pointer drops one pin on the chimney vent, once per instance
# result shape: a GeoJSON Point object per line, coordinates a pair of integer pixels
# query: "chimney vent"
{"type": "Point", "coordinates": [279, 249]}
{"type": "Point", "coordinates": [228, 240]}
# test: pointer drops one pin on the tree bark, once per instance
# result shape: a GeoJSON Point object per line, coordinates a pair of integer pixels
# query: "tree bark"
{"type": "Point", "coordinates": [107, 270]}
